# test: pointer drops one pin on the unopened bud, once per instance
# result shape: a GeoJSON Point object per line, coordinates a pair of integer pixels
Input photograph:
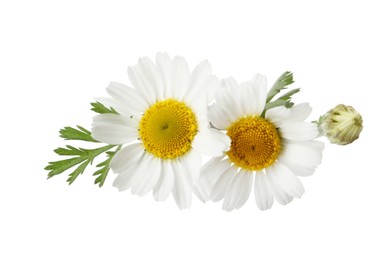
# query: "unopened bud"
{"type": "Point", "coordinates": [342, 125]}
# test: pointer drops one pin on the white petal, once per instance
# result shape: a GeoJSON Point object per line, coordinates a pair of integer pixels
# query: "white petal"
{"type": "Point", "coordinates": [114, 129]}
{"type": "Point", "coordinates": [141, 170]}
{"type": "Point", "coordinates": [228, 98]}
{"type": "Point", "coordinates": [298, 131]}
{"type": "Point", "coordinates": [132, 175]}
{"type": "Point", "coordinates": [281, 196]}
{"type": "Point", "coordinates": [164, 65]}
{"type": "Point", "coordinates": [151, 76]}
{"type": "Point", "coordinates": [303, 153]}
{"type": "Point", "coordinates": [128, 99]}
{"type": "Point", "coordinates": [192, 162]}
{"type": "Point", "coordinates": [198, 80]}
{"type": "Point", "coordinates": [284, 182]}
{"type": "Point", "coordinates": [210, 172]}
{"type": "Point", "coordinates": [220, 187]}
{"type": "Point", "coordinates": [262, 191]}
{"type": "Point", "coordinates": [135, 77]}
{"type": "Point", "coordinates": [182, 189]}
{"type": "Point", "coordinates": [110, 103]}
{"type": "Point", "coordinates": [127, 157]}
{"type": "Point", "coordinates": [238, 190]}
{"type": "Point", "coordinates": [219, 117]}
{"type": "Point", "coordinates": [253, 98]}
{"type": "Point", "coordinates": [180, 77]}
{"type": "Point", "coordinates": [300, 112]}
{"type": "Point", "coordinates": [212, 142]}
{"type": "Point", "coordinates": [166, 182]}
{"type": "Point", "coordinates": [302, 157]}
{"type": "Point", "coordinates": [259, 93]}
{"type": "Point", "coordinates": [149, 178]}
{"type": "Point", "coordinates": [249, 100]}
{"type": "Point", "coordinates": [276, 114]}
{"type": "Point", "coordinates": [232, 192]}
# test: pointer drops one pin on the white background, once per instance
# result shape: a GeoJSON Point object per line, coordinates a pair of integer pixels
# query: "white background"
{"type": "Point", "coordinates": [56, 56]}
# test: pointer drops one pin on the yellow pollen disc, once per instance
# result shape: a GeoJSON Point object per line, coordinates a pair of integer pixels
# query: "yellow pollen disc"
{"type": "Point", "coordinates": [255, 143]}
{"type": "Point", "coordinates": [167, 129]}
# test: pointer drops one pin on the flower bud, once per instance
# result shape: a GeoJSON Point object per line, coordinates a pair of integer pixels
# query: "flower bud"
{"type": "Point", "coordinates": [342, 125]}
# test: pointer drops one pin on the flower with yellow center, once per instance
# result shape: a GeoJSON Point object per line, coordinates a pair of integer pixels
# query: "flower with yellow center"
{"type": "Point", "coordinates": [275, 148]}
{"type": "Point", "coordinates": [163, 119]}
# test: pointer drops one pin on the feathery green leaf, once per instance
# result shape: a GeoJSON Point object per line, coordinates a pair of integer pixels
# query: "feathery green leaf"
{"type": "Point", "coordinates": [80, 156]}
{"type": "Point", "coordinates": [82, 134]}
{"type": "Point", "coordinates": [104, 168]}
{"type": "Point", "coordinates": [284, 80]}
{"type": "Point", "coordinates": [101, 109]}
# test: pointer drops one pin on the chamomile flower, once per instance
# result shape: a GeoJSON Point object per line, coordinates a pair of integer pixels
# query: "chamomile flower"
{"type": "Point", "coordinates": [163, 119]}
{"type": "Point", "coordinates": [275, 148]}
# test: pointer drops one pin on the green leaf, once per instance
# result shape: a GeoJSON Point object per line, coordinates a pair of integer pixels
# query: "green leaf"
{"type": "Point", "coordinates": [288, 96]}
{"type": "Point", "coordinates": [70, 133]}
{"type": "Point", "coordinates": [80, 156]}
{"type": "Point", "coordinates": [284, 80]}
{"type": "Point", "coordinates": [101, 109]}
{"type": "Point", "coordinates": [276, 103]}
{"type": "Point", "coordinates": [79, 170]}
{"type": "Point", "coordinates": [104, 170]}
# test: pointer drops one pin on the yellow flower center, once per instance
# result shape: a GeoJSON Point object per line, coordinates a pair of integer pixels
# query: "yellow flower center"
{"type": "Point", "coordinates": [167, 129]}
{"type": "Point", "coordinates": [255, 143]}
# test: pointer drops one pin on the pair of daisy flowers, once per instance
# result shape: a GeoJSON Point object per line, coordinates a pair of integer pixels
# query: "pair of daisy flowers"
{"type": "Point", "coordinates": [170, 117]}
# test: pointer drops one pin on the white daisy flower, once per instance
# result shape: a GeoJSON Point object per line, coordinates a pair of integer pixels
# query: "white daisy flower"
{"type": "Point", "coordinates": [276, 148]}
{"type": "Point", "coordinates": [163, 118]}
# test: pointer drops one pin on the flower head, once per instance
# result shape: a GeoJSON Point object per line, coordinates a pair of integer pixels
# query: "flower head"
{"type": "Point", "coordinates": [342, 125]}
{"type": "Point", "coordinates": [276, 148]}
{"type": "Point", "coordinates": [163, 118]}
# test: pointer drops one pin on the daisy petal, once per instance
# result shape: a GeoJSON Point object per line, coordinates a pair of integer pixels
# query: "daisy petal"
{"type": "Point", "coordinates": [210, 172]}
{"type": "Point", "coordinates": [136, 78]}
{"type": "Point", "coordinates": [164, 65]}
{"type": "Point", "coordinates": [284, 182]}
{"type": "Point", "coordinates": [281, 196]}
{"type": "Point", "coordinates": [110, 103]}
{"type": "Point", "coordinates": [126, 157]}
{"type": "Point", "coordinates": [149, 178]}
{"type": "Point", "coordinates": [114, 129]}
{"type": "Point", "coordinates": [182, 189]}
{"type": "Point", "coordinates": [228, 98]}
{"type": "Point", "coordinates": [181, 77]}
{"type": "Point", "coordinates": [219, 117]}
{"type": "Point", "coordinates": [302, 157]}
{"type": "Point", "coordinates": [298, 131]}
{"type": "Point", "coordinates": [132, 175]}
{"type": "Point", "coordinates": [151, 77]}
{"type": "Point", "coordinates": [166, 182]}
{"type": "Point", "coordinates": [308, 154]}
{"type": "Point", "coordinates": [276, 114]}
{"type": "Point", "coordinates": [219, 189]}
{"type": "Point", "coordinates": [192, 161]}
{"type": "Point", "coordinates": [238, 191]}
{"type": "Point", "coordinates": [259, 93]}
{"type": "Point", "coordinates": [263, 193]}
{"type": "Point", "coordinates": [300, 112]}
{"type": "Point", "coordinates": [199, 76]}
{"type": "Point", "coordinates": [232, 192]}
{"type": "Point", "coordinates": [212, 142]}
{"type": "Point", "coordinates": [128, 99]}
